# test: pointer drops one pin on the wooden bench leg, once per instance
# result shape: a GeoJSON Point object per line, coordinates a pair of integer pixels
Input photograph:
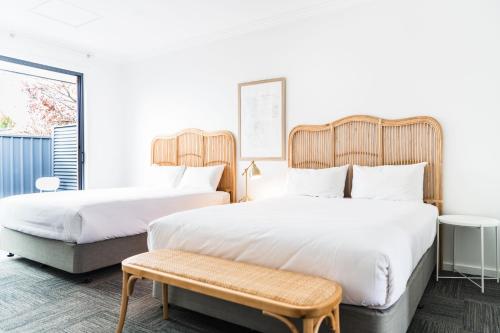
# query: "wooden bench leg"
{"type": "Point", "coordinates": [315, 323]}
{"type": "Point", "coordinates": [336, 319]}
{"type": "Point", "coordinates": [284, 320]}
{"type": "Point", "coordinates": [164, 288]}
{"type": "Point", "coordinates": [127, 290]}
{"type": "Point", "coordinates": [124, 303]}
{"type": "Point", "coordinates": [308, 325]}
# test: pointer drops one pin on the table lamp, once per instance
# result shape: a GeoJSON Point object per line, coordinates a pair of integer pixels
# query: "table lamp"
{"type": "Point", "coordinates": [253, 172]}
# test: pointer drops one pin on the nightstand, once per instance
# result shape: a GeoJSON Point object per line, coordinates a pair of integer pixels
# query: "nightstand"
{"type": "Point", "coordinates": [468, 221]}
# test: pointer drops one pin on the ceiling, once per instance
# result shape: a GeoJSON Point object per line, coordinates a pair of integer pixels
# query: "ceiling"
{"type": "Point", "coordinates": [129, 30]}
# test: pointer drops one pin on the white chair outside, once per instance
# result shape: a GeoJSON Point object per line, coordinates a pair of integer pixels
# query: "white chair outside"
{"type": "Point", "coordinates": [47, 184]}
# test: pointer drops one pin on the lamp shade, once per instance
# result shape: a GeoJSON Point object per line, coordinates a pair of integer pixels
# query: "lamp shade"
{"type": "Point", "coordinates": [255, 171]}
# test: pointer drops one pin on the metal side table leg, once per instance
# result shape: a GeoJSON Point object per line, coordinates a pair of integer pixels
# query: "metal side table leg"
{"type": "Point", "coordinates": [496, 252]}
{"type": "Point", "coordinates": [454, 241]}
{"type": "Point", "coordinates": [437, 250]}
{"type": "Point", "coordinates": [482, 259]}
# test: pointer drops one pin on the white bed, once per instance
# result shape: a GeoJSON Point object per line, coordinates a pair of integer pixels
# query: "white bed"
{"type": "Point", "coordinates": [381, 252]}
{"type": "Point", "coordinates": [86, 230]}
{"type": "Point", "coordinates": [369, 246]}
{"type": "Point", "coordinates": [95, 215]}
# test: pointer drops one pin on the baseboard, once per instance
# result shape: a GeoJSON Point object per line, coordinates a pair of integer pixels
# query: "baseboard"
{"type": "Point", "coordinates": [467, 269]}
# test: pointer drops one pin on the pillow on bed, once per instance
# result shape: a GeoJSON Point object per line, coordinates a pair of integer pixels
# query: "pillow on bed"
{"type": "Point", "coordinates": [389, 182]}
{"type": "Point", "coordinates": [164, 176]}
{"type": "Point", "coordinates": [201, 178]}
{"type": "Point", "coordinates": [327, 182]}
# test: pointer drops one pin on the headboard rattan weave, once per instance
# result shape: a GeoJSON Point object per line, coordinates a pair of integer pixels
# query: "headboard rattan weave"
{"type": "Point", "coordinates": [193, 147]}
{"type": "Point", "coordinates": [366, 140]}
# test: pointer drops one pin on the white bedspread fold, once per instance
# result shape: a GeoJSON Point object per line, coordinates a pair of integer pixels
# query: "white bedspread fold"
{"type": "Point", "coordinates": [369, 246]}
{"type": "Point", "coordinates": [95, 215]}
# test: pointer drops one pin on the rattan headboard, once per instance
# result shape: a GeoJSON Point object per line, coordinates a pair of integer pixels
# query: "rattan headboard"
{"type": "Point", "coordinates": [193, 147]}
{"type": "Point", "coordinates": [366, 140]}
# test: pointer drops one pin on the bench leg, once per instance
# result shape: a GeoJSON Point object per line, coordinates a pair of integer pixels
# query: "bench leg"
{"type": "Point", "coordinates": [315, 323]}
{"type": "Point", "coordinates": [308, 325]}
{"type": "Point", "coordinates": [164, 288]}
{"type": "Point", "coordinates": [127, 290]}
{"type": "Point", "coordinates": [124, 303]}
{"type": "Point", "coordinates": [284, 320]}
{"type": "Point", "coordinates": [336, 319]}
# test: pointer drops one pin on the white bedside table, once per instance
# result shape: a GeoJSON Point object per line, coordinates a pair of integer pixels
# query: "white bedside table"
{"type": "Point", "coordinates": [469, 222]}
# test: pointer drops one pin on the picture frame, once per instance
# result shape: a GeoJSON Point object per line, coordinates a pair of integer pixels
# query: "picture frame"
{"type": "Point", "coordinates": [261, 119]}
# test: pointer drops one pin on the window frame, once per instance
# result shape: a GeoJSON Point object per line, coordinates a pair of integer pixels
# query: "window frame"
{"type": "Point", "coordinates": [80, 108]}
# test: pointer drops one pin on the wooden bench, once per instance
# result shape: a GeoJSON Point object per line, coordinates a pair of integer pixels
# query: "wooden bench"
{"type": "Point", "coordinates": [279, 294]}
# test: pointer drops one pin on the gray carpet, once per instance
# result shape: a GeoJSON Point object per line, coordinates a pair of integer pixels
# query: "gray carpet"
{"type": "Point", "coordinates": [458, 306]}
{"type": "Point", "coordinates": [34, 298]}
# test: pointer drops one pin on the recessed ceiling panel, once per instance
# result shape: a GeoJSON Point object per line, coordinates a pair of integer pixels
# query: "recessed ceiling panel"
{"type": "Point", "coordinates": [66, 13]}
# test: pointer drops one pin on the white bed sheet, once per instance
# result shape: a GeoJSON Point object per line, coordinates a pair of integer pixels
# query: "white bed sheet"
{"type": "Point", "coordinates": [369, 246]}
{"type": "Point", "coordinates": [94, 215]}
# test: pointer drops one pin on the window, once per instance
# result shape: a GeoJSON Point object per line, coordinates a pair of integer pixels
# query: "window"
{"type": "Point", "coordinates": [41, 126]}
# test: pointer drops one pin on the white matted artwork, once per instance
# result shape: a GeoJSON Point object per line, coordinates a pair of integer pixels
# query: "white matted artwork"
{"type": "Point", "coordinates": [262, 119]}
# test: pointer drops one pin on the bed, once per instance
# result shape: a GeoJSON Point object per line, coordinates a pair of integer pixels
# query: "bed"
{"type": "Point", "coordinates": [381, 252]}
{"type": "Point", "coordinates": [81, 231]}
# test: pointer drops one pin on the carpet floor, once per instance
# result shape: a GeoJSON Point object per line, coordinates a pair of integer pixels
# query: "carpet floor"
{"type": "Point", "coordinates": [35, 298]}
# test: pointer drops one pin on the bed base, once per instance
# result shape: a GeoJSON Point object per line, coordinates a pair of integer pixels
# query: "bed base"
{"type": "Point", "coordinates": [355, 319]}
{"type": "Point", "coordinates": [72, 257]}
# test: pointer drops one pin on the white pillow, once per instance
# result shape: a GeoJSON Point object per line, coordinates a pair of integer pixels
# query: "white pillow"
{"type": "Point", "coordinates": [201, 178]}
{"type": "Point", "coordinates": [164, 176]}
{"type": "Point", "coordinates": [328, 182]}
{"type": "Point", "coordinates": [389, 182]}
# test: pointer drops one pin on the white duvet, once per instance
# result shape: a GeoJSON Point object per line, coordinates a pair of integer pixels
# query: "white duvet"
{"type": "Point", "coordinates": [94, 215]}
{"type": "Point", "coordinates": [369, 246]}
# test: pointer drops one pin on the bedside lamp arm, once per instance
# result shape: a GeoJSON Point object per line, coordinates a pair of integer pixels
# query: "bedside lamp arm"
{"type": "Point", "coordinates": [245, 173]}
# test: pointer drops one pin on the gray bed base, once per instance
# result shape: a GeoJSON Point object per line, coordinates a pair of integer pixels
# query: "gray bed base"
{"type": "Point", "coordinates": [72, 257]}
{"type": "Point", "coordinates": [353, 319]}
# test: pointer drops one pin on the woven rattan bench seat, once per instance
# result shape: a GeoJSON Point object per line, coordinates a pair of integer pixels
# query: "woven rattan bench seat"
{"type": "Point", "coordinates": [276, 292]}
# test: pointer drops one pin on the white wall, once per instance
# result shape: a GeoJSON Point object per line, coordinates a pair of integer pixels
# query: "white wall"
{"type": "Point", "coordinates": [104, 128]}
{"type": "Point", "coordinates": [386, 58]}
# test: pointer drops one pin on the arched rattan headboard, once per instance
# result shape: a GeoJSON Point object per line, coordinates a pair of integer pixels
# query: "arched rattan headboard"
{"type": "Point", "coordinates": [366, 140]}
{"type": "Point", "coordinates": [194, 147]}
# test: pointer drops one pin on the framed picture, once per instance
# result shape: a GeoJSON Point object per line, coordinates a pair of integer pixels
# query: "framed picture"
{"type": "Point", "coordinates": [262, 119]}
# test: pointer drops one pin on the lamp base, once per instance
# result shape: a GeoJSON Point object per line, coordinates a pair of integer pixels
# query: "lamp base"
{"type": "Point", "coordinates": [245, 199]}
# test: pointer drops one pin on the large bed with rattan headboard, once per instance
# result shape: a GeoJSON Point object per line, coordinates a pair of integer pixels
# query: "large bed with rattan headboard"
{"type": "Point", "coordinates": [80, 231]}
{"type": "Point", "coordinates": [380, 251]}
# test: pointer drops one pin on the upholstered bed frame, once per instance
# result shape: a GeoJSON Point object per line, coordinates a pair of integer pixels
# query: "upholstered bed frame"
{"type": "Point", "coordinates": [361, 140]}
{"type": "Point", "coordinates": [191, 147]}
{"type": "Point", "coordinates": [353, 319]}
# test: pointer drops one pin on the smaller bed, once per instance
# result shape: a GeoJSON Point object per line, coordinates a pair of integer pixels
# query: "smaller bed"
{"type": "Point", "coordinates": [81, 231]}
